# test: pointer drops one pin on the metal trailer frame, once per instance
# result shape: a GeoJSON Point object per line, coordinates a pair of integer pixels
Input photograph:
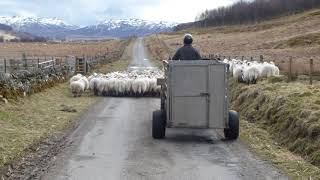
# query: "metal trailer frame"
{"type": "Point", "coordinates": [202, 106]}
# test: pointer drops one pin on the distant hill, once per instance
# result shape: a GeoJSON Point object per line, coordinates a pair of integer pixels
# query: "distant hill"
{"type": "Point", "coordinates": [122, 28]}
{"type": "Point", "coordinates": [8, 34]}
{"type": "Point", "coordinates": [5, 27]}
{"type": "Point", "coordinates": [56, 28]}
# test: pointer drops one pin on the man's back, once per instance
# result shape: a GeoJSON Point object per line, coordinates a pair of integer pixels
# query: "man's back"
{"type": "Point", "coordinates": [187, 52]}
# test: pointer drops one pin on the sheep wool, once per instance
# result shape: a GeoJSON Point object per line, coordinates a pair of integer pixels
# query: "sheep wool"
{"type": "Point", "coordinates": [127, 83]}
{"type": "Point", "coordinates": [251, 72]}
{"type": "Point", "coordinates": [77, 88]}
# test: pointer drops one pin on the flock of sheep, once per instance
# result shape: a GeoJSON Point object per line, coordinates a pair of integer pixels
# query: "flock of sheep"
{"type": "Point", "coordinates": [250, 72]}
{"type": "Point", "coordinates": [127, 83]}
{"type": "Point", "coordinates": [144, 82]}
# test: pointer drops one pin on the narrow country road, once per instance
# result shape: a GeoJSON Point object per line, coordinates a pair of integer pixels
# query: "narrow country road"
{"type": "Point", "coordinates": [114, 142]}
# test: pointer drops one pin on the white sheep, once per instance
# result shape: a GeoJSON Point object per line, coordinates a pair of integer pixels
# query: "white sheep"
{"type": "Point", "coordinates": [93, 84]}
{"type": "Point", "coordinates": [76, 78]}
{"type": "Point", "coordinates": [139, 87]}
{"type": "Point", "coordinates": [86, 82]}
{"type": "Point", "coordinates": [238, 73]}
{"type": "Point", "coordinates": [129, 83]}
{"type": "Point", "coordinates": [250, 74]}
{"type": "Point", "coordinates": [77, 88]}
{"type": "Point", "coordinates": [121, 87]}
{"type": "Point", "coordinates": [152, 85]}
{"type": "Point", "coordinates": [267, 70]}
{"type": "Point", "coordinates": [142, 82]}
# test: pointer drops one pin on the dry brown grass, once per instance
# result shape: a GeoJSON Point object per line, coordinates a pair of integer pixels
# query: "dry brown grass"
{"type": "Point", "coordinates": [281, 122]}
{"type": "Point", "coordinates": [32, 119]}
{"type": "Point", "coordinates": [312, 39]}
{"type": "Point", "coordinates": [50, 49]}
{"type": "Point", "coordinates": [262, 142]}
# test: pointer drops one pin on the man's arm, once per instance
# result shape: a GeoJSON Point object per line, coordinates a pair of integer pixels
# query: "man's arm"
{"type": "Point", "coordinates": [177, 55]}
{"type": "Point", "coordinates": [198, 56]}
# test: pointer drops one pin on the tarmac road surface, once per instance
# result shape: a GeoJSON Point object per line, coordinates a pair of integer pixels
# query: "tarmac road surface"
{"type": "Point", "coordinates": [114, 142]}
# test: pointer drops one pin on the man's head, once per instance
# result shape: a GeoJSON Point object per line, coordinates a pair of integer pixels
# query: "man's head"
{"type": "Point", "coordinates": [188, 39]}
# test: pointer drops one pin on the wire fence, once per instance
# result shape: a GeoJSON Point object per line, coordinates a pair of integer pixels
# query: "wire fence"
{"type": "Point", "coordinates": [32, 64]}
{"type": "Point", "coordinates": [289, 66]}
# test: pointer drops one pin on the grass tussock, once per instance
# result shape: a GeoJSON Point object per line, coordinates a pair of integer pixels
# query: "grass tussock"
{"type": "Point", "coordinates": [312, 39]}
{"type": "Point", "coordinates": [286, 112]}
{"type": "Point", "coordinates": [262, 142]}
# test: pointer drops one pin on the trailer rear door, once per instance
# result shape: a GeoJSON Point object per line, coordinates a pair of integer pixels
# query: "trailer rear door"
{"type": "Point", "coordinates": [190, 97]}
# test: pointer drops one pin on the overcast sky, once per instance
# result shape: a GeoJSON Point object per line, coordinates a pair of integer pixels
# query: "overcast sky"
{"type": "Point", "coordinates": [85, 12]}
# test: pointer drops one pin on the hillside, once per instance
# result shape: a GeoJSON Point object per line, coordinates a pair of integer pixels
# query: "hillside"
{"type": "Point", "coordinates": [277, 40]}
{"type": "Point", "coordinates": [4, 27]}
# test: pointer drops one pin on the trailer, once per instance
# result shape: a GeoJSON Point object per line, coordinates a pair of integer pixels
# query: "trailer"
{"type": "Point", "coordinates": [194, 94]}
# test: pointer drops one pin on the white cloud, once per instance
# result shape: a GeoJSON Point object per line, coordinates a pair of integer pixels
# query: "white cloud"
{"type": "Point", "coordinates": [181, 10]}
{"type": "Point", "coordinates": [84, 12]}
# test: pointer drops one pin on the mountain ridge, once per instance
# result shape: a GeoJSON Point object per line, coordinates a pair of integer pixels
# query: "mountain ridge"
{"type": "Point", "coordinates": [57, 28]}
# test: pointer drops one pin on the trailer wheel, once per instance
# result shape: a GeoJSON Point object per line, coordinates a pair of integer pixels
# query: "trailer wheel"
{"type": "Point", "coordinates": [159, 124]}
{"type": "Point", "coordinates": [232, 133]}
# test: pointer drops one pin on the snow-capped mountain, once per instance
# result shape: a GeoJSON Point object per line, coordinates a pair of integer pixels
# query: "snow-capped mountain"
{"type": "Point", "coordinates": [53, 27]}
{"type": "Point", "coordinates": [114, 24]}
{"type": "Point", "coordinates": [126, 28]}
{"type": "Point", "coordinates": [46, 27]}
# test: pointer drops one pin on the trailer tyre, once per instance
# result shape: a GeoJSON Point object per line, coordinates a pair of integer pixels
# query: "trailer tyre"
{"type": "Point", "coordinates": [232, 133]}
{"type": "Point", "coordinates": [159, 124]}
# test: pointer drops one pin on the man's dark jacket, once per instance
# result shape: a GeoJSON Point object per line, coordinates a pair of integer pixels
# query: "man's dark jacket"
{"type": "Point", "coordinates": [187, 52]}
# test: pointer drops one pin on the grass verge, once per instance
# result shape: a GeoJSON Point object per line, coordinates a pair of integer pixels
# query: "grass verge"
{"type": "Point", "coordinates": [264, 145]}
{"type": "Point", "coordinates": [25, 123]}
{"type": "Point", "coordinates": [281, 123]}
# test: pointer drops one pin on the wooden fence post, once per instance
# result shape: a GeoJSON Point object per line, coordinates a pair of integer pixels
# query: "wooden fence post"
{"type": "Point", "coordinates": [251, 58]}
{"type": "Point", "coordinates": [242, 58]}
{"type": "Point", "coordinates": [290, 69]}
{"type": "Point", "coordinates": [38, 63]}
{"type": "Point", "coordinates": [261, 58]}
{"type": "Point", "coordinates": [5, 66]}
{"type": "Point", "coordinates": [311, 71]}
